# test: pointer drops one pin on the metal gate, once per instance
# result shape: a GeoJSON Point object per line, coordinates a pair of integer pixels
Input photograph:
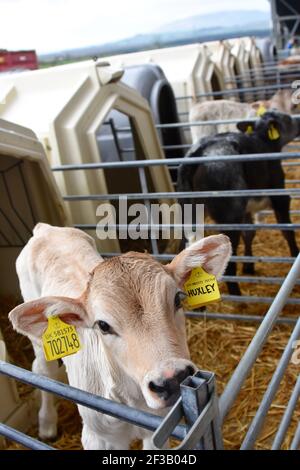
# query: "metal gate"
{"type": "Point", "coordinates": [203, 412]}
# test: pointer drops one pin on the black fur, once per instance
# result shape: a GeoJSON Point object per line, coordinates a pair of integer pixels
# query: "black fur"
{"type": "Point", "coordinates": [220, 176]}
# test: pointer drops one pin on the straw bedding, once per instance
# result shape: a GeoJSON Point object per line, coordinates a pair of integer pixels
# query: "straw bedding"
{"type": "Point", "coordinates": [215, 345]}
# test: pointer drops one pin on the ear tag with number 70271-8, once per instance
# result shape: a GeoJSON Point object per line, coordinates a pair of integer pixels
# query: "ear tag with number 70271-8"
{"type": "Point", "coordinates": [59, 339]}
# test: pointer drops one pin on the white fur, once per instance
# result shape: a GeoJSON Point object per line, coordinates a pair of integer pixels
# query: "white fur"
{"type": "Point", "coordinates": [104, 377]}
{"type": "Point", "coordinates": [229, 110]}
{"type": "Point", "coordinates": [54, 270]}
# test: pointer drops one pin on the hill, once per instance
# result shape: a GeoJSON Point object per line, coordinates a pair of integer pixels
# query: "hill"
{"type": "Point", "coordinates": [200, 28]}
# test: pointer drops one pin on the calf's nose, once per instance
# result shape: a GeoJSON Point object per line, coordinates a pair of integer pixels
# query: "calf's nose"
{"type": "Point", "coordinates": [168, 389]}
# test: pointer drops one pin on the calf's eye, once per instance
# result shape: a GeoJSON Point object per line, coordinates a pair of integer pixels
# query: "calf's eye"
{"type": "Point", "coordinates": [105, 328]}
{"type": "Point", "coordinates": [178, 299]}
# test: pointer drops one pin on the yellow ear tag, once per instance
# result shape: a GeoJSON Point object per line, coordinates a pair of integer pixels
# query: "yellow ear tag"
{"type": "Point", "coordinates": [249, 129]}
{"type": "Point", "coordinates": [261, 110]}
{"type": "Point", "coordinates": [59, 339]}
{"type": "Point", "coordinates": [273, 133]}
{"type": "Point", "coordinates": [201, 289]}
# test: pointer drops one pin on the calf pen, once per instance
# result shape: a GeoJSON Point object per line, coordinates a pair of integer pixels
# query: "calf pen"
{"type": "Point", "coordinates": [257, 406]}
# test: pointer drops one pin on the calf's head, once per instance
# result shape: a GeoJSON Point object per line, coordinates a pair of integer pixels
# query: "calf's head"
{"type": "Point", "coordinates": [282, 101]}
{"type": "Point", "coordinates": [134, 304]}
{"type": "Point", "coordinates": [274, 127]}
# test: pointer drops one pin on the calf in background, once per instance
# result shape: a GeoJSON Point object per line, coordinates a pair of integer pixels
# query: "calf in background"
{"type": "Point", "coordinates": [268, 134]}
{"type": "Point", "coordinates": [225, 110]}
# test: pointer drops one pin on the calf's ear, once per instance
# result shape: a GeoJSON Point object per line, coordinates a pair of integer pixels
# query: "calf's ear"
{"type": "Point", "coordinates": [211, 253]}
{"type": "Point", "coordinates": [31, 318]}
{"type": "Point", "coordinates": [246, 127]}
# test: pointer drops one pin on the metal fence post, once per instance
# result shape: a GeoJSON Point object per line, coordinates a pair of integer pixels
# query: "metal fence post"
{"type": "Point", "coordinates": [196, 392]}
{"type": "Point", "coordinates": [198, 405]}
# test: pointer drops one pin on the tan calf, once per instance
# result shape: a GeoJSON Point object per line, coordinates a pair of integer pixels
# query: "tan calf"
{"type": "Point", "coordinates": [129, 317]}
{"type": "Point", "coordinates": [230, 110]}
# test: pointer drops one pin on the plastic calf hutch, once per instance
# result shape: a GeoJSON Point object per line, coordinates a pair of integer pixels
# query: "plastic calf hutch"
{"type": "Point", "coordinates": [28, 193]}
{"type": "Point", "coordinates": [13, 411]}
{"type": "Point", "coordinates": [68, 105]}
{"type": "Point", "coordinates": [196, 73]}
{"type": "Point", "coordinates": [242, 56]}
{"type": "Point", "coordinates": [255, 61]}
{"type": "Point", "coordinates": [150, 81]}
{"type": "Point", "coordinates": [225, 64]}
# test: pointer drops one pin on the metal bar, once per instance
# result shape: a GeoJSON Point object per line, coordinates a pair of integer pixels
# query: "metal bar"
{"type": "Point", "coordinates": [236, 259]}
{"type": "Point", "coordinates": [188, 124]}
{"type": "Point", "coordinates": [194, 398]}
{"type": "Point", "coordinates": [22, 438]}
{"type": "Point", "coordinates": [144, 186]}
{"type": "Point", "coordinates": [289, 7]}
{"type": "Point", "coordinates": [286, 73]}
{"type": "Point", "coordinates": [290, 164]}
{"type": "Point", "coordinates": [189, 146]}
{"type": "Point", "coordinates": [222, 227]}
{"type": "Point", "coordinates": [188, 195]}
{"type": "Point", "coordinates": [196, 392]}
{"type": "Point", "coordinates": [287, 417]}
{"type": "Point", "coordinates": [288, 17]}
{"type": "Point", "coordinates": [296, 440]}
{"type": "Point", "coordinates": [178, 161]}
{"type": "Point", "coordinates": [262, 73]}
{"type": "Point", "coordinates": [171, 420]}
{"type": "Point", "coordinates": [250, 299]}
{"type": "Point", "coordinates": [116, 138]}
{"type": "Point", "coordinates": [233, 91]}
{"type": "Point", "coordinates": [256, 279]}
{"type": "Point", "coordinates": [237, 317]}
{"type": "Point", "coordinates": [238, 377]}
{"type": "Point", "coordinates": [103, 405]}
{"type": "Point", "coordinates": [165, 147]}
{"type": "Point", "coordinates": [200, 426]}
{"type": "Point", "coordinates": [208, 418]}
{"type": "Point", "coordinates": [270, 212]}
{"type": "Point", "coordinates": [258, 420]}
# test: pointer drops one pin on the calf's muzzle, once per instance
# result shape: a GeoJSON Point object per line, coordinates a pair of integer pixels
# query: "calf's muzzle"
{"type": "Point", "coordinates": [168, 388]}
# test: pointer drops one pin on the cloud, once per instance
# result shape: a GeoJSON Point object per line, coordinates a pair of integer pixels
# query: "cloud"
{"type": "Point", "coordinates": [53, 25]}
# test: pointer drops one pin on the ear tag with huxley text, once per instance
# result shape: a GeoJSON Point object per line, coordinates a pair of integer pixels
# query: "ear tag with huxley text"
{"type": "Point", "coordinates": [201, 288]}
{"type": "Point", "coordinates": [273, 133]}
{"type": "Point", "coordinates": [59, 339]}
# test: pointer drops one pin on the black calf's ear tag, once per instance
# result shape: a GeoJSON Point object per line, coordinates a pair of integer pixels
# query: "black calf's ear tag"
{"type": "Point", "coordinates": [246, 127]}
{"type": "Point", "coordinates": [273, 132]}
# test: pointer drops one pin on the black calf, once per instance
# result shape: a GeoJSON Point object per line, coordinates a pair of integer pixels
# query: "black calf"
{"type": "Point", "coordinates": [267, 135]}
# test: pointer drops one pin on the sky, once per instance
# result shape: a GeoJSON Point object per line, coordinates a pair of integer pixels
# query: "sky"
{"type": "Point", "coordinates": [54, 25]}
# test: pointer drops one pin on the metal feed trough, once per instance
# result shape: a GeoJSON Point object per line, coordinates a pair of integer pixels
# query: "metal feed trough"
{"type": "Point", "coordinates": [199, 414]}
